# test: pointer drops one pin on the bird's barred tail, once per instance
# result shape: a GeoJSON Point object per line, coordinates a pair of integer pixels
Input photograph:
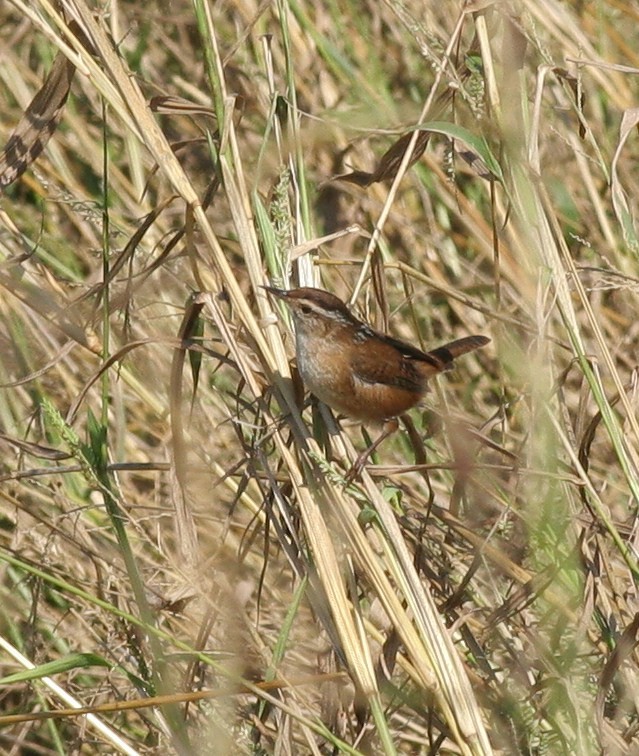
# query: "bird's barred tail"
{"type": "Point", "coordinates": [447, 353]}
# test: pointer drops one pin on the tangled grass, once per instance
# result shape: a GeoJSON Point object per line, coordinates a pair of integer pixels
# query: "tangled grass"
{"type": "Point", "coordinates": [181, 556]}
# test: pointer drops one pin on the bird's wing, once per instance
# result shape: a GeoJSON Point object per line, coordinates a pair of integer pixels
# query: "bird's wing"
{"type": "Point", "coordinates": [388, 364]}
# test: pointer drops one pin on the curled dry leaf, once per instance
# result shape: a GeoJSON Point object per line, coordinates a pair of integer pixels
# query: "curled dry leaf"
{"type": "Point", "coordinates": [573, 82]}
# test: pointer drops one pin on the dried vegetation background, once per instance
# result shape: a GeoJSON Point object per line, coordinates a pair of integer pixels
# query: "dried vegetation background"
{"type": "Point", "coordinates": [179, 551]}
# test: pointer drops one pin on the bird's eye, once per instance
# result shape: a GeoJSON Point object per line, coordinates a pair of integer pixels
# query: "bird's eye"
{"type": "Point", "coordinates": [305, 310]}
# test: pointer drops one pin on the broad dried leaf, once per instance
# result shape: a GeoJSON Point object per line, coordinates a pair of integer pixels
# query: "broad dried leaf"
{"type": "Point", "coordinates": [389, 162]}
{"type": "Point", "coordinates": [35, 450]}
{"type": "Point", "coordinates": [38, 123]}
{"type": "Point", "coordinates": [623, 212]}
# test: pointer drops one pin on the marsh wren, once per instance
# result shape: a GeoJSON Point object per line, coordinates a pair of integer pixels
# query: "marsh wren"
{"type": "Point", "coordinates": [357, 371]}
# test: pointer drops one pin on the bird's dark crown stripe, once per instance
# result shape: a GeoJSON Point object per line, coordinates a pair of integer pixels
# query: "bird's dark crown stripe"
{"type": "Point", "coordinates": [328, 312]}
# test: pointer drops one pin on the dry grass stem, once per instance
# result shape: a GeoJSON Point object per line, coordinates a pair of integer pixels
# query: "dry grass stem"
{"type": "Point", "coordinates": [185, 565]}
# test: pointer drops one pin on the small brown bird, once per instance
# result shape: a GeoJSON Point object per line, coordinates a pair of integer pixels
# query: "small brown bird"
{"type": "Point", "coordinates": [359, 372]}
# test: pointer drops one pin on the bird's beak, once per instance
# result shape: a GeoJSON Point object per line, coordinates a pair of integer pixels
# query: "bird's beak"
{"type": "Point", "coordinates": [279, 293]}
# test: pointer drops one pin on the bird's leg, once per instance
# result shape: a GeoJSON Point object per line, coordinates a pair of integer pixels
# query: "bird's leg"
{"type": "Point", "coordinates": [390, 426]}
